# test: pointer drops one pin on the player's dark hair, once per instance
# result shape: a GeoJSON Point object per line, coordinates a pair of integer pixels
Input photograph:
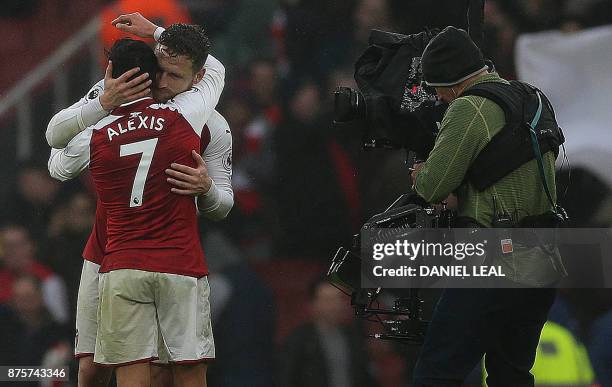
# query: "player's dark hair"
{"type": "Point", "coordinates": [189, 40]}
{"type": "Point", "coordinates": [129, 53]}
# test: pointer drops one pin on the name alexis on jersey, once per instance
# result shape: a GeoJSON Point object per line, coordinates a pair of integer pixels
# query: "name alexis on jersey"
{"type": "Point", "coordinates": [136, 121]}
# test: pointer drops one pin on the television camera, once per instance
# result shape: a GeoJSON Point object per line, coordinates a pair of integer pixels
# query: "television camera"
{"type": "Point", "coordinates": [398, 111]}
{"type": "Point", "coordinates": [403, 321]}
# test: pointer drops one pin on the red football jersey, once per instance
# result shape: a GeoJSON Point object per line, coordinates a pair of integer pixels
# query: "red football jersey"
{"type": "Point", "coordinates": [148, 227]}
{"type": "Point", "coordinates": [195, 105]}
{"type": "Point", "coordinates": [96, 243]}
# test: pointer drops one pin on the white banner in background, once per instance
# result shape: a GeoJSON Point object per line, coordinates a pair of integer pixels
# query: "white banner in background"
{"type": "Point", "coordinates": [575, 72]}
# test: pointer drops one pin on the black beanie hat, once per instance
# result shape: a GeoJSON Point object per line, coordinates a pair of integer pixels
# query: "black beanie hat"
{"type": "Point", "coordinates": [450, 58]}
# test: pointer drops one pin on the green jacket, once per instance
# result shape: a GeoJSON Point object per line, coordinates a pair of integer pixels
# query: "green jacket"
{"type": "Point", "coordinates": [468, 125]}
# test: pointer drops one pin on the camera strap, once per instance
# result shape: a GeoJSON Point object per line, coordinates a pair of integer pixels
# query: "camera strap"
{"type": "Point", "coordinates": [536, 150]}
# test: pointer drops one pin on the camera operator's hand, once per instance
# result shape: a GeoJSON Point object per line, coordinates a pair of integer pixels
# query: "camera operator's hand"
{"type": "Point", "coordinates": [416, 167]}
{"type": "Point", "coordinates": [450, 203]}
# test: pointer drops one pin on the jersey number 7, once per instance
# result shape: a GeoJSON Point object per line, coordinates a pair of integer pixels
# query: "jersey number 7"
{"type": "Point", "coordinates": [146, 148]}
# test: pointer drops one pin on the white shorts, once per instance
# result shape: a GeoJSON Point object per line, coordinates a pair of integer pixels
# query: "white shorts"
{"type": "Point", "coordinates": [141, 311]}
{"type": "Point", "coordinates": [87, 311]}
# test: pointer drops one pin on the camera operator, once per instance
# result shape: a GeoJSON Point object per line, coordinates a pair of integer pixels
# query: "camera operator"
{"type": "Point", "coordinates": [504, 324]}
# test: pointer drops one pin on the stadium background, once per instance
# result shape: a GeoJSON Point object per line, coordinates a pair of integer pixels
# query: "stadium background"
{"type": "Point", "coordinates": [301, 187]}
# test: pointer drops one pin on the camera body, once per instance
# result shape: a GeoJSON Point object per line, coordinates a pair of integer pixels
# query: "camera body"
{"type": "Point", "coordinates": [398, 111]}
{"type": "Point", "coordinates": [392, 103]}
{"type": "Point", "coordinates": [404, 323]}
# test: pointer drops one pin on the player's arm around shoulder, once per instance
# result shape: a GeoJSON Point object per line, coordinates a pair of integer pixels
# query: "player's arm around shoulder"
{"type": "Point", "coordinates": [66, 123]}
{"type": "Point", "coordinates": [219, 200]}
{"type": "Point", "coordinates": [67, 163]}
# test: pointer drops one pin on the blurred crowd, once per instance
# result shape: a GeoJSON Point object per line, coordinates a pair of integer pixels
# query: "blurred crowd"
{"type": "Point", "coordinates": [301, 186]}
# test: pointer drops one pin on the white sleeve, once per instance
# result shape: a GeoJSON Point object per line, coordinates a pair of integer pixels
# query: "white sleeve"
{"type": "Point", "coordinates": [67, 163]}
{"type": "Point", "coordinates": [68, 122]}
{"type": "Point", "coordinates": [198, 103]}
{"type": "Point", "coordinates": [219, 200]}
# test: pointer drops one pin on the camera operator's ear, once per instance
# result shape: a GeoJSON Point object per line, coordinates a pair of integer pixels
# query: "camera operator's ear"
{"type": "Point", "coordinates": [198, 76]}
